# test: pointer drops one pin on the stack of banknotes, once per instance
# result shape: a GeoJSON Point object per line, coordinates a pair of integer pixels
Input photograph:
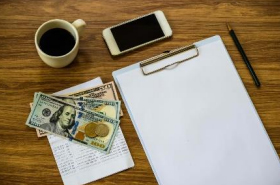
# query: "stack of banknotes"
{"type": "Point", "coordinates": [89, 117]}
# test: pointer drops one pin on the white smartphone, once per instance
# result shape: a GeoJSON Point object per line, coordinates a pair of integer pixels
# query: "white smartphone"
{"type": "Point", "coordinates": [136, 33]}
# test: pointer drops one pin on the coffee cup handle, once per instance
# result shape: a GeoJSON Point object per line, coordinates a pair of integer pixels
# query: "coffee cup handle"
{"type": "Point", "coordinates": [80, 25]}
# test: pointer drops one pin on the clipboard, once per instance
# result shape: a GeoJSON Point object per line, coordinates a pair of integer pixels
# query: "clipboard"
{"type": "Point", "coordinates": [195, 119]}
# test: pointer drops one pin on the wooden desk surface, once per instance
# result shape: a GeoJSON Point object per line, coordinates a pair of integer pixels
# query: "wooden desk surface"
{"type": "Point", "coordinates": [25, 159]}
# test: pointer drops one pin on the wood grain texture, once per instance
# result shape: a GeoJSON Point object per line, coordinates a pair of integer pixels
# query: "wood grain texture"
{"type": "Point", "coordinates": [25, 159]}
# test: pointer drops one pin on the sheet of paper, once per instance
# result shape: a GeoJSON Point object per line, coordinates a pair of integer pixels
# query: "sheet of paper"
{"type": "Point", "coordinates": [197, 123]}
{"type": "Point", "coordinates": [79, 164]}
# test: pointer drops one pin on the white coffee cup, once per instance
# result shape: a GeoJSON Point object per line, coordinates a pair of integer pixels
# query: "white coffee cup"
{"type": "Point", "coordinates": [76, 29]}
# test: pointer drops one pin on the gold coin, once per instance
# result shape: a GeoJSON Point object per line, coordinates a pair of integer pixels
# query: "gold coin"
{"type": "Point", "coordinates": [90, 129]}
{"type": "Point", "coordinates": [102, 130]}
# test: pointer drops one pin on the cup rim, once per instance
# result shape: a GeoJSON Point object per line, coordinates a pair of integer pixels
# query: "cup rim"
{"type": "Point", "coordinates": [56, 20]}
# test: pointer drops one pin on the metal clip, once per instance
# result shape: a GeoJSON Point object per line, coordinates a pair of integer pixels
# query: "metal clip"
{"type": "Point", "coordinates": [166, 55]}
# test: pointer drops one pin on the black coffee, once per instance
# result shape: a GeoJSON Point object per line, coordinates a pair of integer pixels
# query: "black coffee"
{"type": "Point", "coordinates": [57, 42]}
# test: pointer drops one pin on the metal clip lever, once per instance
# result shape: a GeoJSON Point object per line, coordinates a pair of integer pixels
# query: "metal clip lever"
{"type": "Point", "coordinates": [167, 54]}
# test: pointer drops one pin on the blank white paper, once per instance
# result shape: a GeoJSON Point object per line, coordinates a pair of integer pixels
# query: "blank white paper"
{"type": "Point", "coordinates": [197, 123]}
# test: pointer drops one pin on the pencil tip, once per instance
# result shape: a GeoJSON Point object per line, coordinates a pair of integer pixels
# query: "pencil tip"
{"type": "Point", "coordinates": [229, 28]}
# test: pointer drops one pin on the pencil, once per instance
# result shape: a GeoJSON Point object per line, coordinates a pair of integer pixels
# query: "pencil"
{"type": "Point", "coordinates": [246, 60]}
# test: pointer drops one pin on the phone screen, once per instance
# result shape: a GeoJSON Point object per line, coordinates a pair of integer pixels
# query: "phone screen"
{"type": "Point", "coordinates": [137, 32]}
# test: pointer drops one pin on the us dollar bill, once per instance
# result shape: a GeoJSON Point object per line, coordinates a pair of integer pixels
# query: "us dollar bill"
{"type": "Point", "coordinates": [105, 91]}
{"type": "Point", "coordinates": [110, 108]}
{"type": "Point", "coordinates": [40, 133]}
{"type": "Point", "coordinates": [106, 107]}
{"type": "Point", "coordinates": [67, 120]}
